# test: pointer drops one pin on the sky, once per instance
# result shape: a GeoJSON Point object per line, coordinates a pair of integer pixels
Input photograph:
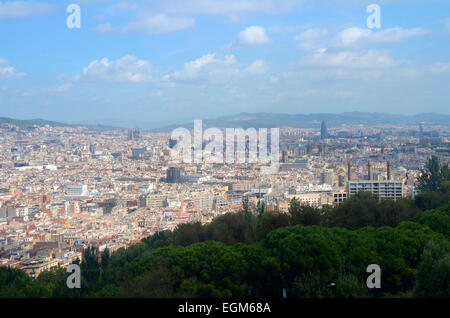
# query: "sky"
{"type": "Point", "coordinates": [158, 62]}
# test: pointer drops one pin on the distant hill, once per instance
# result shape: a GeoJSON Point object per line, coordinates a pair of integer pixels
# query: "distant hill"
{"type": "Point", "coordinates": [271, 120]}
{"type": "Point", "coordinates": [30, 122]}
{"type": "Point", "coordinates": [42, 122]}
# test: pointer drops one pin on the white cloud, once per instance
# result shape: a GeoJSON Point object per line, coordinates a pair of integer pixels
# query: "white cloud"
{"type": "Point", "coordinates": [217, 69]}
{"type": "Point", "coordinates": [357, 37]}
{"type": "Point", "coordinates": [160, 24]}
{"type": "Point", "coordinates": [64, 87]}
{"type": "Point", "coordinates": [446, 23]}
{"type": "Point", "coordinates": [257, 67]}
{"type": "Point", "coordinates": [251, 36]}
{"type": "Point", "coordinates": [348, 60]}
{"type": "Point", "coordinates": [16, 9]}
{"type": "Point", "coordinates": [210, 66]}
{"type": "Point", "coordinates": [311, 39]}
{"type": "Point", "coordinates": [103, 28]}
{"type": "Point", "coordinates": [126, 69]}
{"type": "Point", "coordinates": [329, 67]}
{"type": "Point", "coordinates": [351, 36]}
{"type": "Point", "coordinates": [254, 35]}
{"type": "Point", "coordinates": [7, 71]}
{"type": "Point", "coordinates": [438, 68]}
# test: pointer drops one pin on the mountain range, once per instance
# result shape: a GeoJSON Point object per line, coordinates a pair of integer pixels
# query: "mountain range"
{"type": "Point", "coordinates": [264, 120]}
{"type": "Point", "coordinates": [24, 123]}
{"type": "Point", "coordinates": [272, 120]}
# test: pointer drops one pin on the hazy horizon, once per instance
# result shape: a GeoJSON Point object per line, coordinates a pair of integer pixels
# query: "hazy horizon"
{"type": "Point", "coordinates": [163, 124]}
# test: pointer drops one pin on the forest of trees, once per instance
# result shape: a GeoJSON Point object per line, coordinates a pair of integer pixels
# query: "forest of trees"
{"type": "Point", "coordinates": [254, 253]}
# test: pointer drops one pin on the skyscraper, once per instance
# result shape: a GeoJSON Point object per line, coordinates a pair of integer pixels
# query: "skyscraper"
{"type": "Point", "coordinates": [370, 170]}
{"type": "Point", "coordinates": [284, 156]}
{"type": "Point", "coordinates": [172, 143]}
{"type": "Point", "coordinates": [309, 149]}
{"type": "Point", "coordinates": [323, 131]}
{"type": "Point", "coordinates": [173, 175]}
{"type": "Point", "coordinates": [421, 134]}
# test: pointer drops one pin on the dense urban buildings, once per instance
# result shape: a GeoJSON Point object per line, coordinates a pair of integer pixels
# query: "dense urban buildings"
{"type": "Point", "coordinates": [63, 189]}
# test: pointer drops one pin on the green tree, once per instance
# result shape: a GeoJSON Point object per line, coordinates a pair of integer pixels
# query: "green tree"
{"type": "Point", "coordinates": [304, 214]}
{"type": "Point", "coordinates": [15, 283]}
{"type": "Point", "coordinates": [156, 283]}
{"type": "Point", "coordinates": [433, 175]}
{"type": "Point", "coordinates": [188, 233]}
{"type": "Point", "coordinates": [358, 211]}
{"type": "Point", "coordinates": [269, 222]}
{"type": "Point", "coordinates": [246, 206]}
{"type": "Point", "coordinates": [433, 274]}
{"type": "Point", "coordinates": [349, 286]}
{"type": "Point", "coordinates": [90, 269]}
{"type": "Point", "coordinates": [310, 286]}
{"type": "Point", "coordinates": [433, 199]}
{"type": "Point", "coordinates": [438, 219]}
{"type": "Point", "coordinates": [261, 208]}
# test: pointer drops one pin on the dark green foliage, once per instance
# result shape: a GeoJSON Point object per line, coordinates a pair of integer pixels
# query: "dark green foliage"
{"type": "Point", "coordinates": [431, 200]}
{"type": "Point", "coordinates": [433, 274]}
{"type": "Point", "coordinates": [433, 175]}
{"type": "Point", "coordinates": [438, 220]}
{"type": "Point", "coordinates": [433, 184]}
{"type": "Point", "coordinates": [254, 253]}
{"type": "Point", "coordinates": [233, 228]}
{"type": "Point", "coordinates": [155, 283]}
{"type": "Point", "coordinates": [331, 252]}
{"type": "Point", "coordinates": [90, 267]}
{"type": "Point", "coordinates": [310, 286]}
{"type": "Point", "coordinates": [187, 234]}
{"type": "Point", "coordinates": [365, 209]}
{"type": "Point", "coordinates": [349, 286]}
{"type": "Point", "coordinates": [319, 286]}
{"type": "Point", "coordinates": [269, 222]}
{"type": "Point", "coordinates": [304, 214]}
{"type": "Point", "coordinates": [159, 239]}
{"type": "Point", "coordinates": [17, 284]}
{"type": "Point", "coordinates": [55, 281]}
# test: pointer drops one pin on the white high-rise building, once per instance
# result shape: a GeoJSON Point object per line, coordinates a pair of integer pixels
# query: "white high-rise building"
{"type": "Point", "coordinates": [77, 190]}
{"type": "Point", "coordinates": [383, 189]}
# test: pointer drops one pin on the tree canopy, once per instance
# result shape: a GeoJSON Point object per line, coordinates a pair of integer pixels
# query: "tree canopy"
{"type": "Point", "coordinates": [255, 253]}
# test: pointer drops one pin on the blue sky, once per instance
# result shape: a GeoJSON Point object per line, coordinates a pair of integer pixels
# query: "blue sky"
{"type": "Point", "coordinates": [164, 61]}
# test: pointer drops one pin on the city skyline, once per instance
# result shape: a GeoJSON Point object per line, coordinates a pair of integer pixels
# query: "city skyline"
{"type": "Point", "coordinates": [183, 60]}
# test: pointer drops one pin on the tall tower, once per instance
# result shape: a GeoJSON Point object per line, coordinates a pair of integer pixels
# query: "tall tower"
{"type": "Point", "coordinates": [421, 134]}
{"type": "Point", "coordinates": [389, 169]}
{"type": "Point", "coordinates": [323, 131]}
{"type": "Point", "coordinates": [308, 148]}
{"type": "Point", "coordinates": [369, 170]}
{"type": "Point", "coordinates": [349, 171]}
{"type": "Point", "coordinates": [173, 175]}
{"type": "Point", "coordinates": [284, 156]}
{"type": "Point", "coordinates": [136, 133]}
